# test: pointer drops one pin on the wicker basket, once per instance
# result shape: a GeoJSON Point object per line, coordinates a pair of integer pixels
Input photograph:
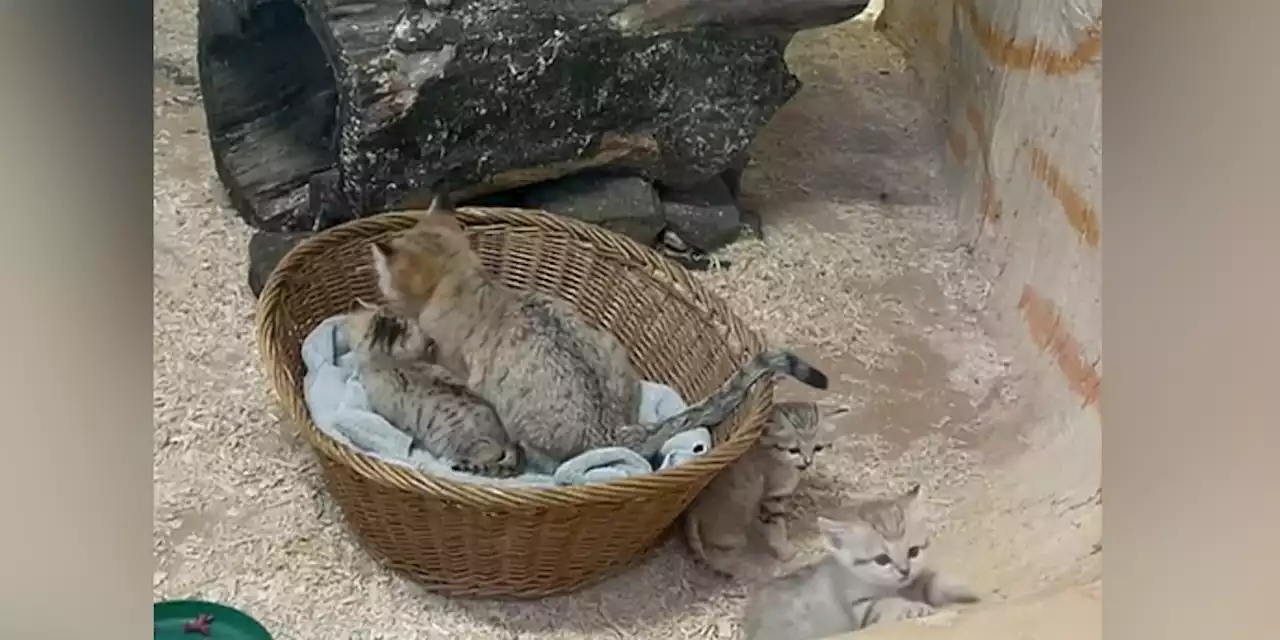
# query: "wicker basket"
{"type": "Point", "coordinates": [471, 540]}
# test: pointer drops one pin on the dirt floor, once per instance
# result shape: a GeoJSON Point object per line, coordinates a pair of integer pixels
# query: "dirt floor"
{"type": "Point", "coordinates": [863, 269]}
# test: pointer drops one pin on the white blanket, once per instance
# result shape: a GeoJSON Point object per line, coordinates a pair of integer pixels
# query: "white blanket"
{"type": "Point", "coordinates": [340, 409]}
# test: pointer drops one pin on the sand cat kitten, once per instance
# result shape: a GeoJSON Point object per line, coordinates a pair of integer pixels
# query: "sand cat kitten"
{"type": "Point", "coordinates": [873, 567]}
{"type": "Point", "coordinates": [560, 385]}
{"type": "Point", "coordinates": [406, 385]}
{"type": "Point", "coordinates": [755, 492]}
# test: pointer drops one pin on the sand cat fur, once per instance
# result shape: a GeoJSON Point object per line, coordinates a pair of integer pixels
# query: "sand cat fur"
{"type": "Point", "coordinates": [873, 568]}
{"type": "Point", "coordinates": [560, 385]}
{"type": "Point", "coordinates": [405, 384]}
{"type": "Point", "coordinates": [755, 492]}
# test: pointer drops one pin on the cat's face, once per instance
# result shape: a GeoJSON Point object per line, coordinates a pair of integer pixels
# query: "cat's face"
{"type": "Point", "coordinates": [797, 431]}
{"type": "Point", "coordinates": [883, 544]}
{"type": "Point", "coordinates": [411, 264]}
{"type": "Point", "coordinates": [376, 331]}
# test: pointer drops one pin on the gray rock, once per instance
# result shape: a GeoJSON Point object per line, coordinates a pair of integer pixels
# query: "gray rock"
{"type": "Point", "coordinates": [624, 204]}
{"type": "Point", "coordinates": [483, 95]}
{"type": "Point", "coordinates": [705, 217]}
{"type": "Point", "coordinates": [266, 248]}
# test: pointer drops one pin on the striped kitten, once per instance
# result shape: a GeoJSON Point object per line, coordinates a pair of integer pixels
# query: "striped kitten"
{"type": "Point", "coordinates": [406, 385]}
{"type": "Point", "coordinates": [560, 385]}
{"type": "Point", "coordinates": [755, 492]}
{"type": "Point", "coordinates": [873, 572]}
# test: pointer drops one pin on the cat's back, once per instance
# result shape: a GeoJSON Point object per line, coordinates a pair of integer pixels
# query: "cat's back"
{"type": "Point", "coordinates": [577, 371]}
{"type": "Point", "coordinates": [798, 605]}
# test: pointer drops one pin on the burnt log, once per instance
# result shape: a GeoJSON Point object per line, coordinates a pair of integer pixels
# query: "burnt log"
{"type": "Point", "coordinates": [320, 111]}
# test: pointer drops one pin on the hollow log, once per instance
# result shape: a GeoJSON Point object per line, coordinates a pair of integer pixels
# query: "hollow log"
{"type": "Point", "coordinates": [324, 110]}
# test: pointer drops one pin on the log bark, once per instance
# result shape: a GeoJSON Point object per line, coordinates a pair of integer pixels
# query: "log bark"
{"type": "Point", "coordinates": [323, 110]}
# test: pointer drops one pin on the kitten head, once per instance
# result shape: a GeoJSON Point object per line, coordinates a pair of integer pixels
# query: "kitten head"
{"type": "Point", "coordinates": [882, 542]}
{"type": "Point", "coordinates": [411, 264]}
{"type": "Point", "coordinates": [797, 431]}
{"type": "Point", "coordinates": [377, 332]}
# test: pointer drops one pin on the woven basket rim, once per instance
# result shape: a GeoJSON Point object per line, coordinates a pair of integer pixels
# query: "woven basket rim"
{"type": "Point", "coordinates": [675, 281]}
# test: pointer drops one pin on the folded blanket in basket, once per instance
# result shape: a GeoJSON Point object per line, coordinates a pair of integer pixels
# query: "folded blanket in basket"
{"type": "Point", "coordinates": [340, 409]}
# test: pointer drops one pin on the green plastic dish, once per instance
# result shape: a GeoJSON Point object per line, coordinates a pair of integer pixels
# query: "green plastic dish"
{"type": "Point", "coordinates": [226, 624]}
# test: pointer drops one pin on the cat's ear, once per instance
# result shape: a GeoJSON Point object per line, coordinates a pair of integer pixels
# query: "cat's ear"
{"type": "Point", "coordinates": [840, 535]}
{"type": "Point", "coordinates": [383, 251]}
{"type": "Point", "coordinates": [909, 496]}
{"type": "Point", "coordinates": [833, 413]}
{"type": "Point", "coordinates": [441, 204]}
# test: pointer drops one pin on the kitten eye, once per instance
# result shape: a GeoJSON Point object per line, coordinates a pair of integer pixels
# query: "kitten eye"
{"type": "Point", "coordinates": [819, 447]}
{"type": "Point", "coordinates": [794, 450]}
{"type": "Point", "coordinates": [913, 552]}
{"type": "Point", "coordinates": [882, 560]}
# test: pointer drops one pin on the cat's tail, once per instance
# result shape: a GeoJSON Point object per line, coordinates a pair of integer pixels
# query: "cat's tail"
{"type": "Point", "coordinates": [718, 406]}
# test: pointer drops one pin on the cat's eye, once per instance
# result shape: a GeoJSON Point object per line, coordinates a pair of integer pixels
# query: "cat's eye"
{"type": "Point", "coordinates": [882, 560]}
{"type": "Point", "coordinates": [794, 450]}
{"type": "Point", "coordinates": [913, 552]}
{"type": "Point", "coordinates": [819, 447]}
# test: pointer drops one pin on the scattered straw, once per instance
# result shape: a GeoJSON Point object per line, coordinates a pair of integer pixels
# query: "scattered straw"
{"type": "Point", "coordinates": [240, 513]}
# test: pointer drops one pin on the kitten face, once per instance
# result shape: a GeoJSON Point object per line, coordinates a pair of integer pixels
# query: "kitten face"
{"type": "Point", "coordinates": [798, 431]}
{"type": "Point", "coordinates": [378, 332]}
{"type": "Point", "coordinates": [883, 543]}
{"type": "Point", "coordinates": [411, 264]}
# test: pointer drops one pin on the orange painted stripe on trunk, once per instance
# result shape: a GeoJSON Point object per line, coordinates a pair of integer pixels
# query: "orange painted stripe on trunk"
{"type": "Point", "coordinates": [1049, 332]}
{"type": "Point", "coordinates": [1032, 56]}
{"type": "Point", "coordinates": [1080, 214]}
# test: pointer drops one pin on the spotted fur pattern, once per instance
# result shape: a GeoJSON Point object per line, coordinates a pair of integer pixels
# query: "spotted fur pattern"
{"type": "Point", "coordinates": [407, 385]}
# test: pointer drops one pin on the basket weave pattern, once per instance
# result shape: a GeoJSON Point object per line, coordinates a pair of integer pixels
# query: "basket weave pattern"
{"type": "Point", "coordinates": [471, 540]}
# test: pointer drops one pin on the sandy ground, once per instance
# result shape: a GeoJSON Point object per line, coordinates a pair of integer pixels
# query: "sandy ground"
{"type": "Point", "coordinates": [863, 269]}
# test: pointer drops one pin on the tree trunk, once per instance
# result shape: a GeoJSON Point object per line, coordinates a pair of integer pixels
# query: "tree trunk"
{"type": "Point", "coordinates": [323, 110]}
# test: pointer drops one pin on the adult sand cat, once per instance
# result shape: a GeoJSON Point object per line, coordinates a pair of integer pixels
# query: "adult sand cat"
{"type": "Point", "coordinates": [560, 385]}
{"type": "Point", "coordinates": [873, 572]}
{"type": "Point", "coordinates": [405, 385]}
{"type": "Point", "coordinates": [755, 492]}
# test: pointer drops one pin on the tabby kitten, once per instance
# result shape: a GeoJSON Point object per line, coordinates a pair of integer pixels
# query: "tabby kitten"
{"type": "Point", "coordinates": [874, 566]}
{"type": "Point", "coordinates": [560, 385]}
{"type": "Point", "coordinates": [406, 385]}
{"type": "Point", "coordinates": [755, 492]}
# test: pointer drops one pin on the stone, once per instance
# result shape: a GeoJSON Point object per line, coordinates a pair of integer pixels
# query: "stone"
{"type": "Point", "coordinates": [705, 217]}
{"type": "Point", "coordinates": [482, 96]}
{"type": "Point", "coordinates": [266, 249]}
{"type": "Point", "coordinates": [628, 205]}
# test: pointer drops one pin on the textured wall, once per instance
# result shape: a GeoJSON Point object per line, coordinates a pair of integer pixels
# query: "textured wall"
{"type": "Point", "coordinates": [1017, 84]}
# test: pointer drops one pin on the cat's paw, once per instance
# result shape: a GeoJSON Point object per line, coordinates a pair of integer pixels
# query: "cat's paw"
{"type": "Point", "coordinates": [486, 470]}
{"type": "Point", "coordinates": [911, 610]}
{"type": "Point", "coordinates": [894, 609]}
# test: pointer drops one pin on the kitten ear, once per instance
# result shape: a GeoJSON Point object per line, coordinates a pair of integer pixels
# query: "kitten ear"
{"type": "Point", "coordinates": [911, 493]}
{"type": "Point", "coordinates": [441, 204]}
{"type": "Point", "coordinates": [383, 251]}
{"type": "Point", "coordinates": [839, 535]}
{"type": "Point", "coordinates": [831, 413]}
